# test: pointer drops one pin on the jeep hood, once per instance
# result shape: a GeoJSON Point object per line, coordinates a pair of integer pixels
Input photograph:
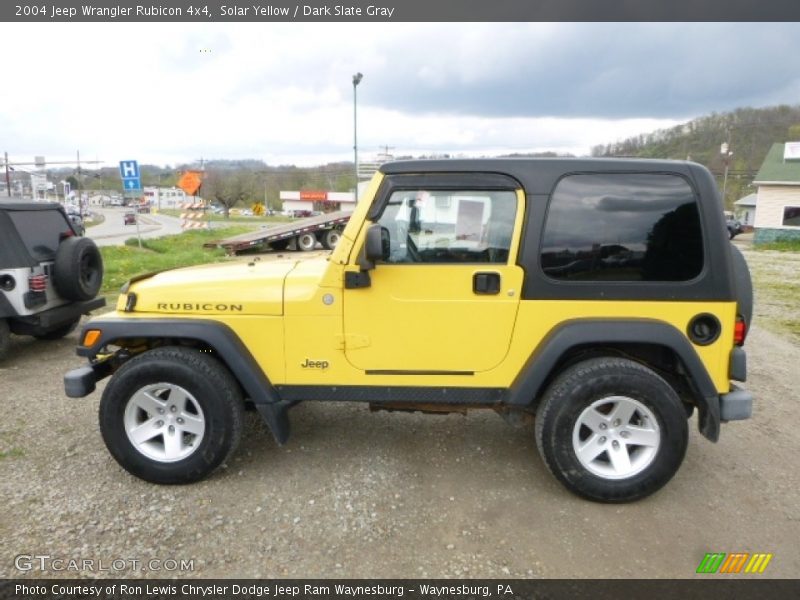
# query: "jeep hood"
{"type": "Point", "coordinates": [241, 288]}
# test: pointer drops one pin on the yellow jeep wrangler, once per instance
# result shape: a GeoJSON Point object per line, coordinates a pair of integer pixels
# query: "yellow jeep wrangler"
{"type": "Point", "coordinates": [602, 297]}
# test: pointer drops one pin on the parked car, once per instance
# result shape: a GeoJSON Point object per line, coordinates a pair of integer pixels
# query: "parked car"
{"type": "Point", "coordinates": [130, 218]}
{"type": "Point", "coordinates": [734, 226]}
{"type": "Point", "coordinates": [601, 297]}
{"type": "Point", "coordinates": [49, 276]}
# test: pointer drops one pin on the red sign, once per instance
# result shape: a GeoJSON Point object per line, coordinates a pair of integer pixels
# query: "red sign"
{"type": "Point", "coordinates": [313, 195]}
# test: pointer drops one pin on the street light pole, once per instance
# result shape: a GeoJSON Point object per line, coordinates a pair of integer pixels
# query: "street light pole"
{"type": "Point", "coordinates": [726, 157]}
{"type": "Point", "coordinates": [356, 80]}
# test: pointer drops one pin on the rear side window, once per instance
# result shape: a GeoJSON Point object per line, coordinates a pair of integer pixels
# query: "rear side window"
{"type": "Point", "coordinates": [40, 230]}
{"type": "Point", "coordinates": [622, 227]}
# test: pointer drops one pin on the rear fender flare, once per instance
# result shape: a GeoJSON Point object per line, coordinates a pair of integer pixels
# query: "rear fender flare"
{"type": "Point", "coordinates": [528, 385]}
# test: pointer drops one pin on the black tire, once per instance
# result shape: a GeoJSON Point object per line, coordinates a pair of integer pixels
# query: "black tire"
{"type": "Point", "coordinates": [744, 285]}
{"type": "Point", "coordinates": [5, 338]}
{"type": "Point", "coordinates": [582, 393]}
{"type": "Point", "coordinates": [279, 245]}
{"type": "Point", "coordinates": [78, 270]}
{"type": "Point", "coordinates": [59, 332]}
{"type": "Point", "coordinates": [213, 392]}
{"type": "Point", "coordinates": [329, 238]}
{"type": "Point", "coordinates": [306, 242]}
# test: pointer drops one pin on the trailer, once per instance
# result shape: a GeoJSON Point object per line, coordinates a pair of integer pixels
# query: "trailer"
{"type": "Point", "coordinates": [303, 233]}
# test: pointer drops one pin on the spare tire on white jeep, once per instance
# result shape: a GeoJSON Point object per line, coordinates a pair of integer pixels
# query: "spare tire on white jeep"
{"type": "Point", "coordinates": [78, 271]}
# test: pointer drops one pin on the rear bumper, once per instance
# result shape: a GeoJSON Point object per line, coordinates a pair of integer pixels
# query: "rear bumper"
{"type": "Point", "coordinates": [41, 323]}
{"type": "Point", "coordinates": [736, 405]}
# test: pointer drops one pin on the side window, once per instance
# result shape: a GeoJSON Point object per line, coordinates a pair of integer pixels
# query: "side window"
{"type": "Point", "coordinates": [40, 230]}
{"type": "Point", "coordinates": [622, 227]}
{"type": "Point", "coordinates": [449, 226]}
{"type": "Point", "coordinates": [791, 216]}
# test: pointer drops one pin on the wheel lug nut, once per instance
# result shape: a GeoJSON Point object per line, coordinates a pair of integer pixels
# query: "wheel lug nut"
{"type": "Point", "coordinates": [624, 434]}
{"type": "Point", "coordinates": [180, 420]}
{"type": "Point", "coordinates": [161, 411]}
{"type": "Point", "coordinates": [160, 424]}
{"type": "Point", "coordinates": [172, 429]}
{"type": "Point", "coordinates": [602, 440]}
{"type": "Point", "coordinates": [615, 444]}
{"type": "Point", "coordinates": [603, 426]}
{"type": "Point", "coordinates": [173, 408]}
{"type": "Point", "coordinates": [617, 422]}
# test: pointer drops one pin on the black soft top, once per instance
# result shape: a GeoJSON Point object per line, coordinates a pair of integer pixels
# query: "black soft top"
{"type": "Point", "coordinates": [15, 204]}
{"type": "Point", "coordinates": [539, 175]}
{"type": "Point", "coordinates": [14, 253]}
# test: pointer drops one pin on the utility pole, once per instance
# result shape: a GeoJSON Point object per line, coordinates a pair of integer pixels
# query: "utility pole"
{"type": "Point", "coordinates": [356, 80]}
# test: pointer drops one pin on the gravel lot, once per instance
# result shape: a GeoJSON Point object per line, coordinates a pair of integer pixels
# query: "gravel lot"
{"type": "Point", "coordinates": [360, 494]}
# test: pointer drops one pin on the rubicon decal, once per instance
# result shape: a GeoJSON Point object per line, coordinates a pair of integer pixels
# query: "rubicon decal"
{"type": "Point", "coordinates": [735, 562]}
{"type": "Point", "coordinates": [196, 306]}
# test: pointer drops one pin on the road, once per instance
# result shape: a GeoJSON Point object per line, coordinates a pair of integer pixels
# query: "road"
{"type": "Point", "coordinates": [113, 231]}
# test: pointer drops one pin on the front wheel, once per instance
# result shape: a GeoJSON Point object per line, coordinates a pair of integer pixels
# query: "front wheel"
{"type": "Point", "coordinates": [171, 415]}
{"type": "Point", "coordinates": [611, 430]}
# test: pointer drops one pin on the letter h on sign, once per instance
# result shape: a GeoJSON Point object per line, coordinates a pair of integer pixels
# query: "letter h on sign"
{"type": "Point", "coordinates": [128, 169]}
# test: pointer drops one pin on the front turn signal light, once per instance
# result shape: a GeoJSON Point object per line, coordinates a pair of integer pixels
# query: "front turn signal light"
{"type": "Point", "coordinates": [90, 337]}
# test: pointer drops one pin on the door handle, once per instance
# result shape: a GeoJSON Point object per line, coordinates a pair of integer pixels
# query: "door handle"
{"type": "Point", "coordinates": [486, 283]}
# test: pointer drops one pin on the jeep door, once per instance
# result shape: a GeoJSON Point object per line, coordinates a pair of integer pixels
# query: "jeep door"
{"type": "Point", "coordinates": [444, 297]}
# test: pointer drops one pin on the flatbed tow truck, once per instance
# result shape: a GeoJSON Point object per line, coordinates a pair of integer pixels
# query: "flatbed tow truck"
{"type": "Point", "coordinates": [303, 233]}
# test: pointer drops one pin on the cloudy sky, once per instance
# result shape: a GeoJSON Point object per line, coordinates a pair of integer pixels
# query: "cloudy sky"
{"type": "Point", "coordinates": [173, 93]}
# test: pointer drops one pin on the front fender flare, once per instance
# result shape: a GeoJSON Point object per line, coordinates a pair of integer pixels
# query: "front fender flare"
{"type": "Point", "coordinates": [231, 351]}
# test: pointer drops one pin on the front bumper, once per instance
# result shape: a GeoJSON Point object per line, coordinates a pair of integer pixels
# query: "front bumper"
{"type": "Point", "coordinates": [82, 381]}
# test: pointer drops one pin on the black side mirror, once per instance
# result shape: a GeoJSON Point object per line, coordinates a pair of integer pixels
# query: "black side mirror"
{"type": "Point", "coordinates": [377, 244]}
{"type": "Point", "coordinates": [376, 247]}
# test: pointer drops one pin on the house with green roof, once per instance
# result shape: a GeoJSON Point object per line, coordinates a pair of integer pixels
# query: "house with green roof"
{"type": "Point", "coordinates": [778, 196]}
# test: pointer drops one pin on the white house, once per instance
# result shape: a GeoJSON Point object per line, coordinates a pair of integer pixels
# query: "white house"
{"type": "Point", "coordinates": [778, 196]}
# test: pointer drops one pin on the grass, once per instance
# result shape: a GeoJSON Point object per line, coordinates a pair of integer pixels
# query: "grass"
{"type": "Point", "coordinates": [168, 252]}
{"type": "Point", "coordinates": [777, 296]}
{"type": "Point", "coordinates": [781, 245]}
{"type": "Point", "coordinates": [13, 453]}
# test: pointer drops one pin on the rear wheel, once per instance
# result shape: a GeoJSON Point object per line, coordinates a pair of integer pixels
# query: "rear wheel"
{"type": "Point", "coordinates": [306, 242]}
{"type": "Point", "coordinates": [171, 415]}
{"type": "Point", "coordinates": [330, 238]}
{"type": "Point", "coordinates": [611, 430]}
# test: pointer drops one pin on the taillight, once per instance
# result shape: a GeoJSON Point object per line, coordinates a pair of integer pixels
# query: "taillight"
{"type": "Point", "coordinates": [739, 331]}
{"type": "Point", "coordinates": [37, 283]}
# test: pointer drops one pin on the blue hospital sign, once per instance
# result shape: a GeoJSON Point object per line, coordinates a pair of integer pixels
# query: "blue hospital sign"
{"type": "Point", "coordinates": [129, 169]}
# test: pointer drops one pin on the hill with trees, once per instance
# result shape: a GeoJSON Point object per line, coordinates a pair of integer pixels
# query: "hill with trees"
{"type": "Point", "coordinates": [749, 133]}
